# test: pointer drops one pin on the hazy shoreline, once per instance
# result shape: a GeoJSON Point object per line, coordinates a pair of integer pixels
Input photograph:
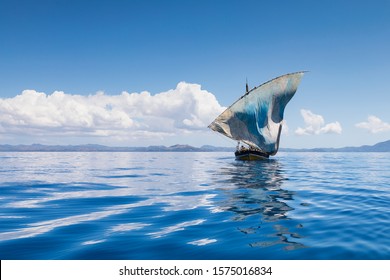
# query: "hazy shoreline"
{"type": "Point", "coordinates": [379, 147]}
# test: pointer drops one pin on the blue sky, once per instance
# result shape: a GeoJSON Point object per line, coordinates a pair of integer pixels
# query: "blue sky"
{"type": "Point", "coordinates": [81, 49]}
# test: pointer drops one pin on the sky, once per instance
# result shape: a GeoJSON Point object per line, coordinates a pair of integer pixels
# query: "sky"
{"type": "Point", "coordinates": [138, 73]}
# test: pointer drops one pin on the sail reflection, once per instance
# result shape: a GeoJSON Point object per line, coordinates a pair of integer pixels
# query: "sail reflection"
{"type": "Point", "coordinates": [255, 196]}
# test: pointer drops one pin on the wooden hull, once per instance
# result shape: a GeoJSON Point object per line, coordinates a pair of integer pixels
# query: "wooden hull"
{"type": "Point", "coordinates": [250, 155]}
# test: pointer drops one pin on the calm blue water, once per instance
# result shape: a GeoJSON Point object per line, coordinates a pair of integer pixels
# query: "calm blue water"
{"type": "Point", "coordinates": [194, 206]}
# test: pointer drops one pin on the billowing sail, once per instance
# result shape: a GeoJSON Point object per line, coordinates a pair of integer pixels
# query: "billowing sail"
{"type": "Point", "coordinates": [256, 118]}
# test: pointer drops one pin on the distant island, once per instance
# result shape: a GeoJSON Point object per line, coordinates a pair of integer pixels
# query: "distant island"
{"type": "Point", "coordinates": [382, 147]}
{"type": "Point", "coordinates": [101, 148]}
{"type": "Point", "coordinates": [379, 147]}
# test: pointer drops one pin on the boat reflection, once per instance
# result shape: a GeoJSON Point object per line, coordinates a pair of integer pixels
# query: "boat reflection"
{"type": "Point", "coordinates": [255, 196]}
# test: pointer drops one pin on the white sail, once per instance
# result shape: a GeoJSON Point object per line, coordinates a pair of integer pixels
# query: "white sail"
{"type": "Point", "coordinates": [256, 118]}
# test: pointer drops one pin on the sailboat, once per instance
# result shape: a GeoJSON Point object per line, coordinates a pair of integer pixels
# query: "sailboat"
{"type": "Point", "coordinates": [255, 119]}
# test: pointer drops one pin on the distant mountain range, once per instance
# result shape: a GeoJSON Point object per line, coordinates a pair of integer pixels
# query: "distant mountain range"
{"type": "Point", "coordinates": [379, 147]}
{"type": "Point", "coordinates": [101, 148]}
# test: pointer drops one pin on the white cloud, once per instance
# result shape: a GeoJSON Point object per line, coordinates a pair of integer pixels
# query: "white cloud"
{"type": "Point", "coordinates": [374, 125]}
{"type": "Point", "coordinates": [285, 129]}
{"type": "Point", "coordinates": [135, 115]}
{"type": "Point", "coordinates": [315, 124]}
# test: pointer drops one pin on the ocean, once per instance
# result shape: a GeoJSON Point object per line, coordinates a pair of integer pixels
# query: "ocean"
{"type": "Point", "coordinates": [205, 206]}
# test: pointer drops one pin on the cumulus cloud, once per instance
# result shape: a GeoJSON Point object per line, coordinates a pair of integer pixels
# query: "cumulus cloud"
{"type": "Point", "coordinates": [315, 124]}
{"type": "Point", "coordinates": [285, 129]}
{"type": "Point", "coordinates": [374, 125]}
{"type": "Point", "coordinates": [138, 115]}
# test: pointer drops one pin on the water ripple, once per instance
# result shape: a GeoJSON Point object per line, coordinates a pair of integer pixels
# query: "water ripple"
{"type": "Point", "coordinates": [194, 206]}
